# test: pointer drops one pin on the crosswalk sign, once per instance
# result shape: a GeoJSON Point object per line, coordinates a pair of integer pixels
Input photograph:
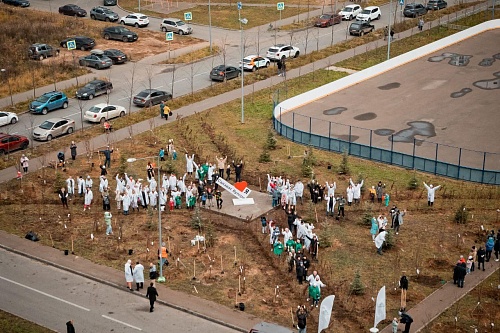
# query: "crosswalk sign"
{"type": "Point", "coordinates": [401, 2]}
{"type": "Point", "coordinates": [280, 5]}
{"type": "Point", "coordinates": [71, 45]}
{"type": "Point", "coordinates": [169, 36]}
{"type": "Point", "coordinates": [240, 5]}
{"type": "Point", "coordinates": [188, 16]}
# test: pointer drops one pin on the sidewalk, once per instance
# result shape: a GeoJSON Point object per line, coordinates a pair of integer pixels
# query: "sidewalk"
{"type": "Point", "coordinates": [232, 318]}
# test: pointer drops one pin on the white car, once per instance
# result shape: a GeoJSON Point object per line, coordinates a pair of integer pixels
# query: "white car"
{"type": "Point", "coordinates": [350, 11]}
{"type": "Point", "coordinates": [135, 19]}
{"type": "Point", "coordinates": [369, 14]}
{"type": "Point", "coordinates": [281, 51]}
{"type": "Point", "coordinates": [7, 118]}
{"type": "Point", "coordinates": [99, 113]}
{"type": "Point", "coordinates": [253, 62]}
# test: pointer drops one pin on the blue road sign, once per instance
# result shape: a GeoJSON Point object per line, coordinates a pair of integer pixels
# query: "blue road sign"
{"type": "Point", "coordinates": [188, 16]}
{"type": "Point", "coordinates": [71, 45]}
{"type": "Point", "coordinates": [169, 36]}
{"type": "Point", "coordinates": [240, 5]}
{"type": "Point", "coordinates": [280, 5]}
{"type": "Point", "coordinates": [401, 2]}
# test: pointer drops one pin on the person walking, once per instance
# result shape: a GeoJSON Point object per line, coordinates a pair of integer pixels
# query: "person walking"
{"type": "Point", "coordinates": [481, 255]}
{"type": "Point", "coordinates": [89, 196]}
{"type": "Point", "coordinates": [129, 274]}
{"type": "Point", "coordinates": [420, 24]}
{"type": "Point", "coordinates": [153, 274]}
{"type": "Point", "coordinates": [107, 154]}
{"type": "Point", "coordinates": [386, 32]}
{"type": "Point", "coordinates": [496, 247]}
{"type": "Point", "coordinates": [24, 163]}
{"type": "Point", "coordinates": [490, 243]}
{"type": "Point", "coordinates": [280, 66]}
{"type": "Point", "coordinates": [403, 284]}
{"type": "Point", "coordinates": [302, 318]}
{"type": "Point", "coordinates": [162, 110]}
{"type": "Point", "coordinates": [138, 273]}
{"type": "Point", "coordinates": [63, 195]}
{"type": "Point", "coordinates": [69, 327]}
{"type": "Point", "coordinates": [431, 190]}
{"type": "Point", "coordinates": [73, 147]}
{"type": "Point", "coordinates": [151, 293]}
{"type": "Point", "coordinates": [107, 220]}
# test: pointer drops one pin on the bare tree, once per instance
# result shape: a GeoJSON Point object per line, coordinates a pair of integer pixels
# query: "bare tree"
{"type": "Point", "coordinates": [223, 49]}
{"type": "Point", "coordinates": [81, 107]}
{"type": "Point", "coordinates": [30, 129]}
{"type": "Point", "coordinates": [173, 79]}
{"type": "Point", "coordinates": [149, 74]}
{"type": "Point", "coordinates": [131, 85]}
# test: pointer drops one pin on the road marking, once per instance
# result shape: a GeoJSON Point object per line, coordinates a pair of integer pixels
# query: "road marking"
{"type": "Point", "coordinates": [157, 87]}
{"type": "Point", "coordinates": [121, 99]}
{"type": "Point", "coordinates": [73, 114]}
{"type": "Point", "coordinates": [121, 322]}
{"type": "Point", "coordinates": [45, 294]}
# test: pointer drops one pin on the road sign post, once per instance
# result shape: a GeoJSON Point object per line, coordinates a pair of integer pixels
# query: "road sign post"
{"type": "Point", "coordinates": [188, 16]}
{"type": "Point", "coordinates": [280, 6]}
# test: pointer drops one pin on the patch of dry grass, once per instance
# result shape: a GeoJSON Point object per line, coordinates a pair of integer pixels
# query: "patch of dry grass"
{"type": "Point", "coordinates": [194, 56]}
{"type": "Point", "coordinates": [13, 324]}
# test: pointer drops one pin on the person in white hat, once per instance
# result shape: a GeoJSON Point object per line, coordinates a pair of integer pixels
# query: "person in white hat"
{"type": "Point", "coordinates": [24, 163]}
{"type": "Point", "coordinates": [431, 193]}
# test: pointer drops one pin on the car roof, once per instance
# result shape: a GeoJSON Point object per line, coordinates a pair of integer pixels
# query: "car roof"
{"type": "Point", "coordinates": [252, 56]}
{"type": "Point", "coordinates": [51, 93]}
{"type": "Point", "coordinates": [150, 90]}
{"type": "Point", "coordinates": [55, 120]}
{"type": "Point", "coordinates": [138, 14]}
{"type": "Point", "coordinates": [97, 51]}
{"type": "Point", "coordinates": [96, 81]}
{"type": "Point", "coordinates": [352, 6]}
{"type": "Point", "coordinates": [6, 135]}
{"type": "Point", "coordinates": [38, 44]}
{"type": "Point", "coordinates": [172, 19]}
{"type": "Point", "coordinates": [113, 50]}
{"type": "Point", "coordinates": [100, 105]}
{"type": "Point", "coordinates": [371, 7]}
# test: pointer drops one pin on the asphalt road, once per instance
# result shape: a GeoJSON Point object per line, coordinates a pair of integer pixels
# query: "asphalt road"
{"type": "Point", "coordinates": [50, 297]}
{"type": "Point", "coordinates": [128, 79]}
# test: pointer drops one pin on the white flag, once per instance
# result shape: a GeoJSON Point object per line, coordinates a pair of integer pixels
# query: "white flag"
{"type": "Point", "coordinates": [380, 307]}
{"type": "Point", "coordinates": [325, 312]}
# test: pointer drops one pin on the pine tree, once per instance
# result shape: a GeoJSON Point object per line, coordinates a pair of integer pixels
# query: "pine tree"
{"type": "Point", "coordinates": [196, 220]}
{"type": "Point", "coordinates": [390, 240]}
{"type": "Point", "coordinates": [357, 287]}
{"type": "Point", "coordinates": [271, 141]}
{"type": "Point", "coordinates": [59, 182]}
{"type": "Point", "coordinates": [344, 165]}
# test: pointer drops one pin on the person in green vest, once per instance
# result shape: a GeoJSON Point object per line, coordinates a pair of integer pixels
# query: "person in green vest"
{"type": "Point", "coordinates": [178, 202]}
{"type": "Point", "coordinates": [290, 244]}
{"type": "Point", "coordinates": [314, 294]}
{"type": "Point", "coordinates": [387, 198]}
{"type": "Point", "coordinates": [278, 248]}
{"type": "Point", "coordinates": [297, 246]}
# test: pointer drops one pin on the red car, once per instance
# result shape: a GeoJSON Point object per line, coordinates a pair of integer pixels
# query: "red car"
{"type": "Point", "coordinates": [9, 143]}
{"type": "Point", "coordinates": [327, 20]}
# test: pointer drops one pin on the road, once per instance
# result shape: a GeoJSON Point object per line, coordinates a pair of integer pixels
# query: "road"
{"type": "Point", "coordinates": [128, 79]}
{"type": "Point", "coordinates": [50, 297]}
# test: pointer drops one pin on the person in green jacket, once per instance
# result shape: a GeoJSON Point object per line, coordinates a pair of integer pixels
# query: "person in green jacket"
{"type": "Point", "coordinates": [387, 198]}
{"type": "Point", "coordinates": [278, 248]}
{"type": "Point", "coordinates": [290, 244]}
{"type": "Point", "coordinates": [314, 294]}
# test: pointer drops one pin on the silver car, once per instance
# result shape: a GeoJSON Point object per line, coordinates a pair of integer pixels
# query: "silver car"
{"type": "Point", "coordinates": [52, 128]}
{"type": "Point", "coordinates": [175, 25]}
{"type": "Point", "coordinates": [96, 59]}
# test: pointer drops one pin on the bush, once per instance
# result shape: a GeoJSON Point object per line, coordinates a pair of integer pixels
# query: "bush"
{"type": "Point", "coordinates": [271, 141]}
{"type": "Point", "coordinates": [196, 220]}
{"type": "Point", "coordinates": [325, 235]}
{"type": "Point", "coordinates": [367, 219]}
{"type": "Point", "coordinates": [461, 215]}
{"type": "Point", "coordinates": [357, 287]}
{"type": "Point", "coordinates": [264, 156]}
{"type": "Point", "coordinates": [390, 241]}
{"type": "Point", "coordinates": [344, 165]}
{"type": "Point", "coordinates": [210, 235]}
{"type": "Point", "coordinates": [59, 182]}
{"type": "Point", "coordinates": [413, 183]}
{"type": "Point", "coordinates": [122, 168]}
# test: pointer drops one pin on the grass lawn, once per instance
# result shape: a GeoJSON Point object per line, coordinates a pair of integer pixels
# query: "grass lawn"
{"type": "Point", "coordinates": [13, 324]}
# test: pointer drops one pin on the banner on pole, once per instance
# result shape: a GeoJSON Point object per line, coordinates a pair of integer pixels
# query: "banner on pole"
{"type": "Point", "coordinates": [325, 312]}
{"type": "Point", "coordinates": [380, 307]}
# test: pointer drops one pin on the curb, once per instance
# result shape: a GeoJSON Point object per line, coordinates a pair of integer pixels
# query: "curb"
{"type": "Point", "coordinates": [114, 285]}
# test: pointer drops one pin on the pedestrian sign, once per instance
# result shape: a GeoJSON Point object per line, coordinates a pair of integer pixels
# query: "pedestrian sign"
{"type": "Point", "coordinates": [169, 36]}
{"type": "Point", "coordinates": [71, 45]}
{"type": "Point", "coordinates": [401, 2]}
{"type": "Point", "coordinates": [188, 16]}
{"type": "Point", "coordinates": [280, 5]}
{"type": "Point", "coordinates": [240, 5]}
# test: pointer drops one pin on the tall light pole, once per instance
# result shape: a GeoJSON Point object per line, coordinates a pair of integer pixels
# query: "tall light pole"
{"type": "Point", "coordinates": [389, 32]}
{"type": "Point", "coordinates": [210, 27]}
{"type": "Point", "coordinates": [6, 78]}
{"type": "Point", "coordinates": [242, 21]}
{"type": "Point", "coordinates": [131, 160]}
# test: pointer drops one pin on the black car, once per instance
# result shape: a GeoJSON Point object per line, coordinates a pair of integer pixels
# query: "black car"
{"type": "Point", "coordinates": [149, 97]}
{"type": "Point", "coordinates": [17, 3]}
{"type": "Point", "coordinates": [94, 88]}
{"type": "Point", "coordinates": [109, 2]}
{"type": "Point", "coordinates": [436, 4]}
{"type": "Point", "coordinates": [117, 56]}
{"type": "Point", "coordinates": [223, 73]}
{"type": "Point", "coordinates": [360, 28]}
{"type": "Point", "coordinates": [119, 33]}
{"type": "Point", "coordinates": [82, 42]}
{"type": "Point", "coordinates": [72, 10]}
{"type": "Point", "coordinates": [414, 10]}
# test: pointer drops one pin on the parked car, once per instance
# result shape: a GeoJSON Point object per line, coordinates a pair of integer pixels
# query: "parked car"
{"type": "Point", "coordinates": [72, 10]}
{"type": "Point", "coordinates": [327, 20]}
{"type": "Point", "coordinates": [52, 128]}
{"type": "Point", "coordinates": [281, 51]}
{"type": "Point", "coordinates": [369, 14]}
{"type": "Point", "coordinates": [17, 3]}
{"type": "Point", "coordinates": [350, 11]}
{"type": "Point", "coordinates": [110, 2]}
{"type": "Point", "coordinates": [96, 59]}
{"type": "Point", "coordinates": [359, 28]}
{"type": "Point", "coordinates": [9, 143]}
{"type": "Point", "coordinates": [42, 51]}
{"type": "Point", "coordinates": [8, 118]}
{"type": "Point", "coordinates": [117, 56]}
{"type": "Point", "coordinates": [414, 10]}
{"type": "Point", "coordinates": [49, 101]}
{"type": "Point", "coordinates": [253, 62]}
{"type": "Point", "coordinates": [94, 88]}
{"type": "Point", "coordinates": [149, 97]}
{"type": "Point", "coordinates": [175, 25]}
{"type": "Point", "coordinates": [119, 33]}
{"type": "Point", "coordinates": [99, 113]}
{"type": "Point", "coordinates": [436, 4]}
{"type": "Point", "coordinates": [223, 73]}
{"type": "Point", "coordinates": [82, 42]}
{"type": "Point", "coordinates": [135, 19]}
{"type": "Point", "coordinates": [103, 14]}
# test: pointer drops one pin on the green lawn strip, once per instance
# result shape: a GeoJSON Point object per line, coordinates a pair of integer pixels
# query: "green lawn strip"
{"type": "Point", "coordinates": [10, 323]}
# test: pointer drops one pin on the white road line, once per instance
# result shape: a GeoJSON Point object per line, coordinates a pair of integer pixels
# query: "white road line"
{"type": "Point", "coordinates": [73, 114]}
{"type": "Point", "coordinates": [121, 99]}
{"type": "Point", "coordinates": [45, 294]}
{"type": "Point", "coordinates": [121, 322]}
{"type": "Point", "coordinates": [157, 87]}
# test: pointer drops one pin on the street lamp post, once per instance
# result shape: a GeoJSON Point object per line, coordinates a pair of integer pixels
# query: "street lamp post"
{"type": "Point", "coordinates": [389, 33]}
{"type": "Point", "coordinates": [6, 78]}
{"type": "Point", "coordinates": [242, 21]}
{"type": "Point", "coordinates": [131, 160]}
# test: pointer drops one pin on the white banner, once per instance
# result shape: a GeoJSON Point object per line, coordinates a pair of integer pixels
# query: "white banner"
{"type": "Point", "coordinates": [380, 307]}
{"type": "Point", "coordinates": [233, 190]}
{"type": "Point", "coordinates": [325, 312]}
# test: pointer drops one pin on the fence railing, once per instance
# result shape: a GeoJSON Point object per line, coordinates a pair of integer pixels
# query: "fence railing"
{"type": "Point", "coordinates": [426, 156]}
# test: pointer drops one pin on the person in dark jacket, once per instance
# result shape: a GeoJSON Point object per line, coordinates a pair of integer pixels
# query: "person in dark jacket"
{"type": "Point", "coordinates": [300, 270]}
{"type": "Point", "coordinates": [151, 294]}
{"type": "Point", "coordinates": [290, 219]}
{"type": "Point", "coordinates": [461, 272]}
{"type": "Point", "coordinates": [313, 247]}
{"type": "Point", "coordinates": [456, 273]}
{"type": "Point", "coordinates": [69, 327]}
{"type": "Point", "coordinates": [72, 147]}
{"type": "Point", "coordinates": [107, 154]}
{"type": "Point", "coordinates": [307, 264]}
{"type": "Point", "coordinates": [407, 320]}
{"type": "Point", "coordinates": [481, 256]}
{"type": "Point", "coordinates": [302, 318]}
{"type": "Point", "coordinates": [237, 170]}
{"type": "Point", "coordinates": [497, 246]}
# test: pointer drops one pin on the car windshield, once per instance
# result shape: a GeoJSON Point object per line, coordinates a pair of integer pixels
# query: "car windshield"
{"type": "Point", "coordinates": [347, 9]}
{"type": "Point", "coordinates": [107, 11]}
{"type": "Point", "coordinates": [180, 23]}
{"type": "Point", "coordinates": [355, 25]}
{"type": "Point", "coordinates": [273, 49]}
{"type": "Point", "coordinates": [246, 61]}
{"type": "Point", "coordinates": [122, 29]}
{"type": "Point", "coordinates": [366, 11]}
{"type": "Point", "coordinates": [95, 109]}
{"type": "Point", "coordinates": [143, 94]}
{"type": "Point", "coordinates": [46, 125]}
{"type": "Point", "coordinates": [42, 99]}
{"type": "Point", "coordinates": [143, 17]}
{"type": "Point", "coordinates": [89, 86]}
{"type": "Point", "coordinates": [325, 17]}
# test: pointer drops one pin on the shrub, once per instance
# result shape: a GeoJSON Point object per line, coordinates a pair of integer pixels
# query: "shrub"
{"type": "Point", "coordinates": [264, 156]}
{"type": "Point", "coordinates": [357, 287]}
{"type": "Point", "coordinates": [210, 235]}
{"type": "Point", "coordinates": [366, 219]}
{"type": "Point", "coordinates": [344, 164]}
{"type": "Point", "coordinates": [325, 235]}
{"type": "Point", "coordinates": [271, 141]}
{"type": "Point", "coordinates": [413, 183]}
{"type": "Point", "coordinates": [59, 182]}
{"type": "Point", "coordinates": [122, 167]}
{"type": "Point", "coordinates": [390, 241]}
{"type": "Point", "coordinates": [196, 219]}
{"type": "Point", "coordinates": [461, 215]}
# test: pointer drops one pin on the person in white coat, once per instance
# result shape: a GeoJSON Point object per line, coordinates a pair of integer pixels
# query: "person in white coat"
{"type": "Point", "coordinates": [70, 185]}
{"type": "Point", "coordinates": [350, 195]}
{"type": "Point", "coordinates": [138, 273]}
{"type": "Point", "coordinates": [287, 235]}
{"type": "Point", "coordinates": [89, 182]}
{"type": "Point", "coordinates": [129, 275]}
{"type": "Point", "coordinates": [153, 199]}
{"type": "Point", "coordinates": [172, 182]}
{"type": "Point", "coordinates": [89, 196]}
{"type": "Point", "coordinates": [331, 188]}
{"type": "Point", "coordinates": [189, 164]}
{"type": "Point", "coordinates": [299, 190]}
{"type": "Point", "coordinates": [330, 204]}
{"type": "Point", "coordinates": [103, 183]}
{"type": "Point", "coordinates": [126, 200]}
{"type": "Point", "coordinates": [356, 190]}
{"type": "Point", "coordinates": [81, 186]}
{"type": "Point", "coordinates": [24, 163]}
{"type": "Point", "coordinates": [162, 197]}
{"type": "Point", "coordinates": [379, 241]}
{"type": "Point", "coordinates": [431, 190]}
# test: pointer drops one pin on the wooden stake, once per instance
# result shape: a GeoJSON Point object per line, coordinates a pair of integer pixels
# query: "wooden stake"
{"type": "Point", "coordinates": [235, 255]}
{"type": "Point", "coordinates": [72, 248]}
{"type": "Point", "coordinates": [195, 289]}
{"type": "Point", "coordinates": [293, 320]}
{"type": "Point", "coordinates": [239, 284]}
{"type": "Point", "coordinates": [221, 267]}
{"type": "Point", "coordinates": [194, 269]}
{"type": "Point", "coordinates": [168, 240]}
{"type": "Point", "coordinates": [50, 235]}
